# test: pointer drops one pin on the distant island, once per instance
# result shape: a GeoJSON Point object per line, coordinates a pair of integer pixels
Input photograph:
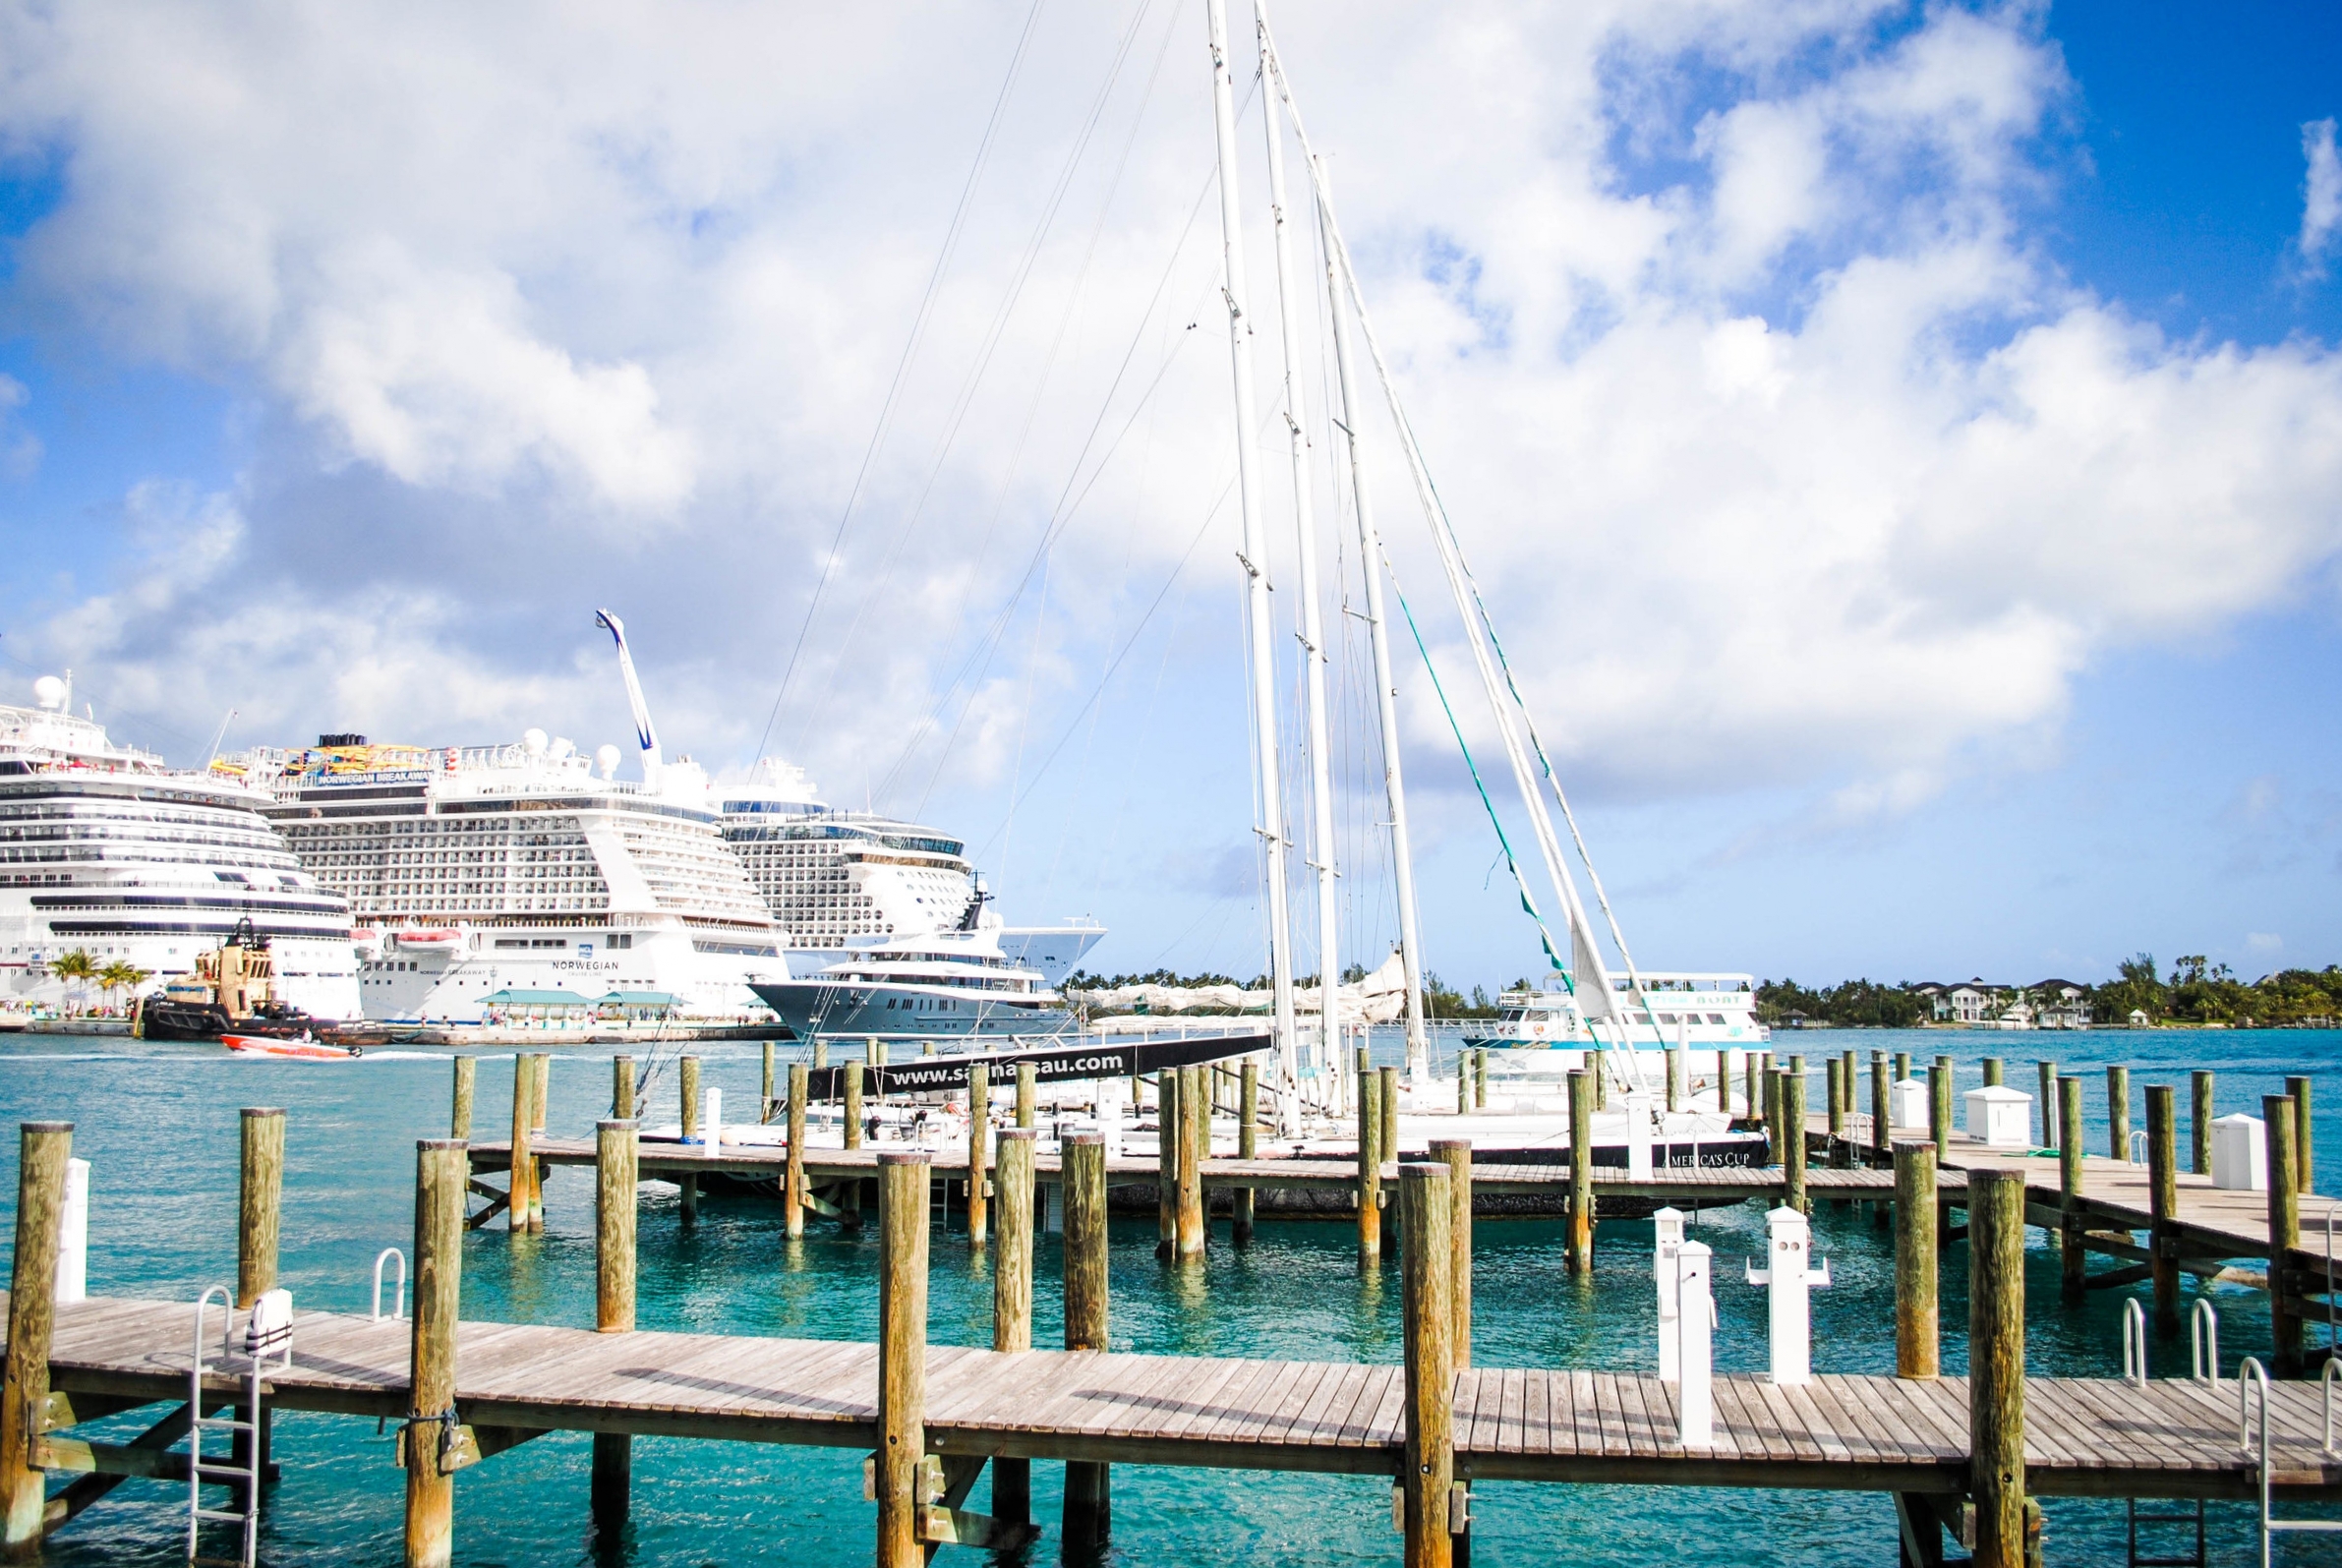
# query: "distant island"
{"type": "Point", "coordinates": [2196, 993]}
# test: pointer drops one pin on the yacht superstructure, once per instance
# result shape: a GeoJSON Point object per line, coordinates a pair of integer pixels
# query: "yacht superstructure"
{"type": "Point", "coordinates": [949, 984]}
{"type": "Point", "coordinates": [840, 883]}
{"type": "Point", "coordinates": [106, 851]}
{"type": "Point", "coordinates": [481, 872]}
{"type": "Point", "coordinates": [1687, 1008]}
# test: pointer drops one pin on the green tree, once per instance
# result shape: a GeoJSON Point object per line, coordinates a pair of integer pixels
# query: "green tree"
{"type": "Point", "coordinates": [121, 976]}
{"type": "Point", "coordinates": [75, 967]}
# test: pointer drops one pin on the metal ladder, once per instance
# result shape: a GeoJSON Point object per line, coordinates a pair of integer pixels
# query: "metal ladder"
{"type": "Point", "coordinates": [267, 1336]}
{"type": "Point", "coordinates": [2252, 1378]}
{"type": "Point", "coordinates": [2203, 1334]}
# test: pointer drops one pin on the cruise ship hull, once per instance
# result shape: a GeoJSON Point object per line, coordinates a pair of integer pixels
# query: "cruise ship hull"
{"type": "Point", "coordinates": [874, 1008]}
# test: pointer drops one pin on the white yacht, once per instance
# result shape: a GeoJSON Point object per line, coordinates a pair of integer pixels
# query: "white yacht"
{"type": "Point", "coordinates": [944, 984]}
{"type": "Point", "coordinates": [105, 849]}
{"type": "Point", "coordinates": [493, 872]}
{"type": "Point", "coordinates": [841, 884]}
{"type": "Point", "coordinates": [1687, 1008]}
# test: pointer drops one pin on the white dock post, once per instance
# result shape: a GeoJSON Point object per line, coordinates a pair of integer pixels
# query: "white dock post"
{"type": "Point", "coordinates": [714, 1114]}
{"type": "Point", "coordinates": [1110, 1117]}
{"type": "Point", "coordinates": [1695, 1320]}
{"type": "Point", "coordinates": [1669, 1224]}
{"type": "Point", "coordinates": [1638, 1135]}
{"type": "Point", "coordinates": [72, 1234]}
{"type": "Point", "coordinates": [1789, 1279]}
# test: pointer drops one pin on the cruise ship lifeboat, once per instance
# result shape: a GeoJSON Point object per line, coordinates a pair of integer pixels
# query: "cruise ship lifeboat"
{"type": "Point", "coordinates": [365, 944]}
{"type": "Point", "coordinates": [295, 1050]}
{"type": "Point", "coordinates": [430, 941]}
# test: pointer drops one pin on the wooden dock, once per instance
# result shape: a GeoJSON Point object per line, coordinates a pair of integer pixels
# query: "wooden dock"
{"type": "Point", "coordinates": [2084, 1437]}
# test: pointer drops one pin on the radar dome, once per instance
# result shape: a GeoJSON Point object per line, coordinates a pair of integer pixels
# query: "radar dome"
{"type": "Point", "coordinates": [606, 758]}
{"type": "Point", "coordinates": [49, 692]}
{"type": "Point", "coordinates": [533, 741]}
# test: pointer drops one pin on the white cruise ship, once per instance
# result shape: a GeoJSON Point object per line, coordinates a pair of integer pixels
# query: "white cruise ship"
{"type": "Point", "coordinates": [842, 884]}
{"type": "Point", "coordinates": [481, 872]}
{"type": "Point", "coordinates": [106, 849]}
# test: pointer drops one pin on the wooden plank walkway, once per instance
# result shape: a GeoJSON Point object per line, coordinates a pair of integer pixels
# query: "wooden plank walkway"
{"type": "Point", "coordinates": [2084, 1437]}
{"type": "Point", "coordinates": [1722, 1183]}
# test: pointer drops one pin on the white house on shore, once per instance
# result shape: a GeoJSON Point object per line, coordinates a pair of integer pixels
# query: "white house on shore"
{"type": "Point", "coordinates": [2051, 1004]}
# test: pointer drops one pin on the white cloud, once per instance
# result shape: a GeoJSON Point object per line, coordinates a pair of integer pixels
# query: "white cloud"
{"type": "Point", "coordinates": [2265, 941]}
{"type": "Point", "coordinates": [1784, 457]}
{"type": "Point", "coordinates": [2321, 194]}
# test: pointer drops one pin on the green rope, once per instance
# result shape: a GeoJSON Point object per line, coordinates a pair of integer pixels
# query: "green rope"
{"type": "Point", "coordinates": [1544, 938]}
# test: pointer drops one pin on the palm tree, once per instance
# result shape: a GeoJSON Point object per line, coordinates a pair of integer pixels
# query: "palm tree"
{"type": "Point", "coordinates": [122, 975]}
{"type": "Point", "coordinates": [76, 966]}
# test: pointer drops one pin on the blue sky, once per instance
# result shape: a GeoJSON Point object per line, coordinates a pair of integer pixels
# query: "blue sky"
{"type": "Point", "coordinates": [1901, 443]}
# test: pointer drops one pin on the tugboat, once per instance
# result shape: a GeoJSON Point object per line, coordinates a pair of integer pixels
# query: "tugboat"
{"type": "Point", "coordinates": [233, 992]}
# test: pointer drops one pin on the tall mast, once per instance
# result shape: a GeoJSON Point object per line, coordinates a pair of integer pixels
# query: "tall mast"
{"type": "Point", "coordinates": [1312, 628]}
{"type": "Point", "coordinates": [1268, 794]}
{"type": "Point", "coordinates": [1386, 709]}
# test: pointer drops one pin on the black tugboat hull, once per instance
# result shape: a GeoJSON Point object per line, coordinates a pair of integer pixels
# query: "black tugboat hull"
{"type": "Point", "coordinates": [209, 1021]}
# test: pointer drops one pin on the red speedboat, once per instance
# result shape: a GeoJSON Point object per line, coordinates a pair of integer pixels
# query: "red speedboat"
{"type": "Point", "coordinates": [300, 1050]}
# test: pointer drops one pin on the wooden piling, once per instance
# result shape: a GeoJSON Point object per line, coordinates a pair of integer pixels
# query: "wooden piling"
{"type": "Point", "coordinates": [1194, 1118]}
{"type": "Point", "coordinates": [259, 1203]}
{"type": "Point", "coordinates": [979, 1148]}
{"type": "Point", "coordinates": [2163, 1187]}
{"type": "Point", "coordinates": [1882, 1128]}
{"type": "Point", "coordinates": [1028, 1088]}
{"type": "Point", "coordinates": [1903, 1065]}
{"type": "Point", "coordinates": [1752, 1097]}
{"type": "Point", "coordinates": [2073, 1261]}
{"type": "Point", "coordinates": [2285, 1232]}
{"type": "Point", "coordinates": [1939, 1106]}
{"type": "Point", "coordinates": [617, 1161]}
{"type": "Point", "coordinates": [524, 1165]}
{"type": "Point", "coordinates": [1369, 1165]}
{"type": "Point", "coordinates": [1581, 1172]}
{"type": "Point", "coordinates": [44, 1148]}
{"type": "Point", "coordinates": [1723, 1082]}
{"type": "Point", "coordinates": [1674, 1078]}
{"type": "Point", "coordinates": [1463, 1086]}
{"type": "Point", "coordinates": [1793, 1147]}
{"type": "Point", "coordinates": [459, 1115]}
{"type": "Point", "coordinates": [622, 1087]}
{"type": "Point", "coordinates": [2118, 1112]}
{"type": "Point", "coordinates": [764, 1109]}
{"type": "Point", "coordinates": [1479, 1078]}
{"type": "Point", "coordinates": [792, 1190]}
{"type": "Point", "coordinates": [1996, 1365]}
{"type": "Point", "coordinates": [2048, 1104]}
{"type": "Point", "coordinates": [1428, 1475]}
{"type": "Point", "coordinates": [2297, 1089]}
{"type": "Point", "coordinates": [1770, 1116]}
{"type": "Point", "coordinates": [442, 1169]}
{"type": "Point", "coordinates": [1167, 1139]}
{"type": "Point", "coordinates": [1995, 1072]}
{"type": "Point", "coordinates": [1088, 1492]}
{"type": "Point", "coordinates": [2199, 1124]}
{"type": "Point", "coordinates": [1011, 1300]}
{"type": "Point", "coordinates": [1918, 1335]}
{"type": "Point", "coordinates": [1247, 1143]}
{"type": "Point", "coordinates": [1456, 1155]}
{"type": "Point", "coordinates": [1599, 1060]}
{"type": "Point", "coordinates": [1836, 1069]}
{"type": "Point", "coordinates": [850, 1196]}
{"type": "Point", "coordinates": [903, 1177]}
{"type": "Point", "coordinates": [1388, 1141]}
{"type": "Point", "coordinates": [686, 1184]}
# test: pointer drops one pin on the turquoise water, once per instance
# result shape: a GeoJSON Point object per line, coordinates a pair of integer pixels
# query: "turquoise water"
{"type": "Point", "coordinates": [159, 1122]}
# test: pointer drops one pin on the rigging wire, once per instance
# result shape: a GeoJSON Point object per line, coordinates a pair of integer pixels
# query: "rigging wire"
{"type": "Point", "coordinates": [918, 330]}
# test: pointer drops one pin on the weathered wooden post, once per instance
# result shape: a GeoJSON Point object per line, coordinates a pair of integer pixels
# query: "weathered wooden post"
{"type": "Point", "coordinates": [2163, 1186]}
{"type": "Point", "coordinates": [2118, 1112]}
{"type": "Point", "coordinates": [1167, 1139]}
{"type": "Point", "coordinates": [1581, 1172]}
{"type": "Point", "coordinates": [1012, 1302]}
{"type": "Point", "coordinates": [616, 1168]}
{"type": "Point", "coordinates": [442, 1170]}
{"type": "Point", "coordinates": [1939, 1107]}
{"type": "Point", "coordinates": [1995, 1071]}
{"type": "Point", "coordinates": [1996, 1365]}
{"type": "Point", "coordinates": [1882, 1131]}
{"type": "Point", "coordinates": [45, 1147]}
{"type": "Point", "coordinates": [1247, 1143]}
{"type": "Point", "coordinates": [1088, 1496]}
{"type": "Point", "coordinates": [1456, 1155]}
{"type": "Point", "coordinates": [1370, 1164]}
{"type": "Point", "coordinates": [1768, 1113]}
{"type": "Point", "coordinates": [765, 1105]}
{"type": "Point", "coordinates": [1918, 1337]}
{"type": "Point", "coordinates": [1598, 1060]}
{"type": "Point", "coordinates": [902, 1176]}
{"type": "Point", "coordinates": [622, 1087]}
{"type": "Point", "coordinates": [979, 1148]}
{"type": "Point", "coordinates": [688, 1068]}
{"type": "Point", "coordinates": [1752, 1097]}
{"type": "Point", "coordinates": [2285, 1232]}
{"type": "Point", "coordinates": [2297, 1089]}
{"type": "Point", "coordinates": [524, 1166]}
{"type": "Point", "coordinates": [2072, 1259]}
{"type": "Point", "coordinates": [1903, 1065]}
{"type": "Point", "coordinates": [850, 1196]}
{"type": "Point", "coordinates": [1387, 1141]}
{"type": "Point", "coordinates": [1792, 1124]}
{"type": "Point", "coordinates": [793, 1179]}
{"type": "Point", "coordinates": [1027, 1090]}
{"type": "Point", "coordinates": [1479, 1078]}
{"type": "Point", "coordinates": [540, 1099]}
{"type": "Point", "coordinates": [1674, 1078]}
{"type": "Point", "coordinates": [459, 1117]}
{"type": "Point", "coordinates": [1194, 1121]}
{"type": "Point", "coordinates": [1428, 1475]}
{"type": "Point", "coordinates": [2199, 1124]}
{"type": "Point", "coordinates": [2049, 1104]}
{"type": "Point", "coordinates": [1840, 1081]}
{"type": "Point", "coordinates": [1723, 1082]}
{"type": "Point", "coordinates": [259, 1204]}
